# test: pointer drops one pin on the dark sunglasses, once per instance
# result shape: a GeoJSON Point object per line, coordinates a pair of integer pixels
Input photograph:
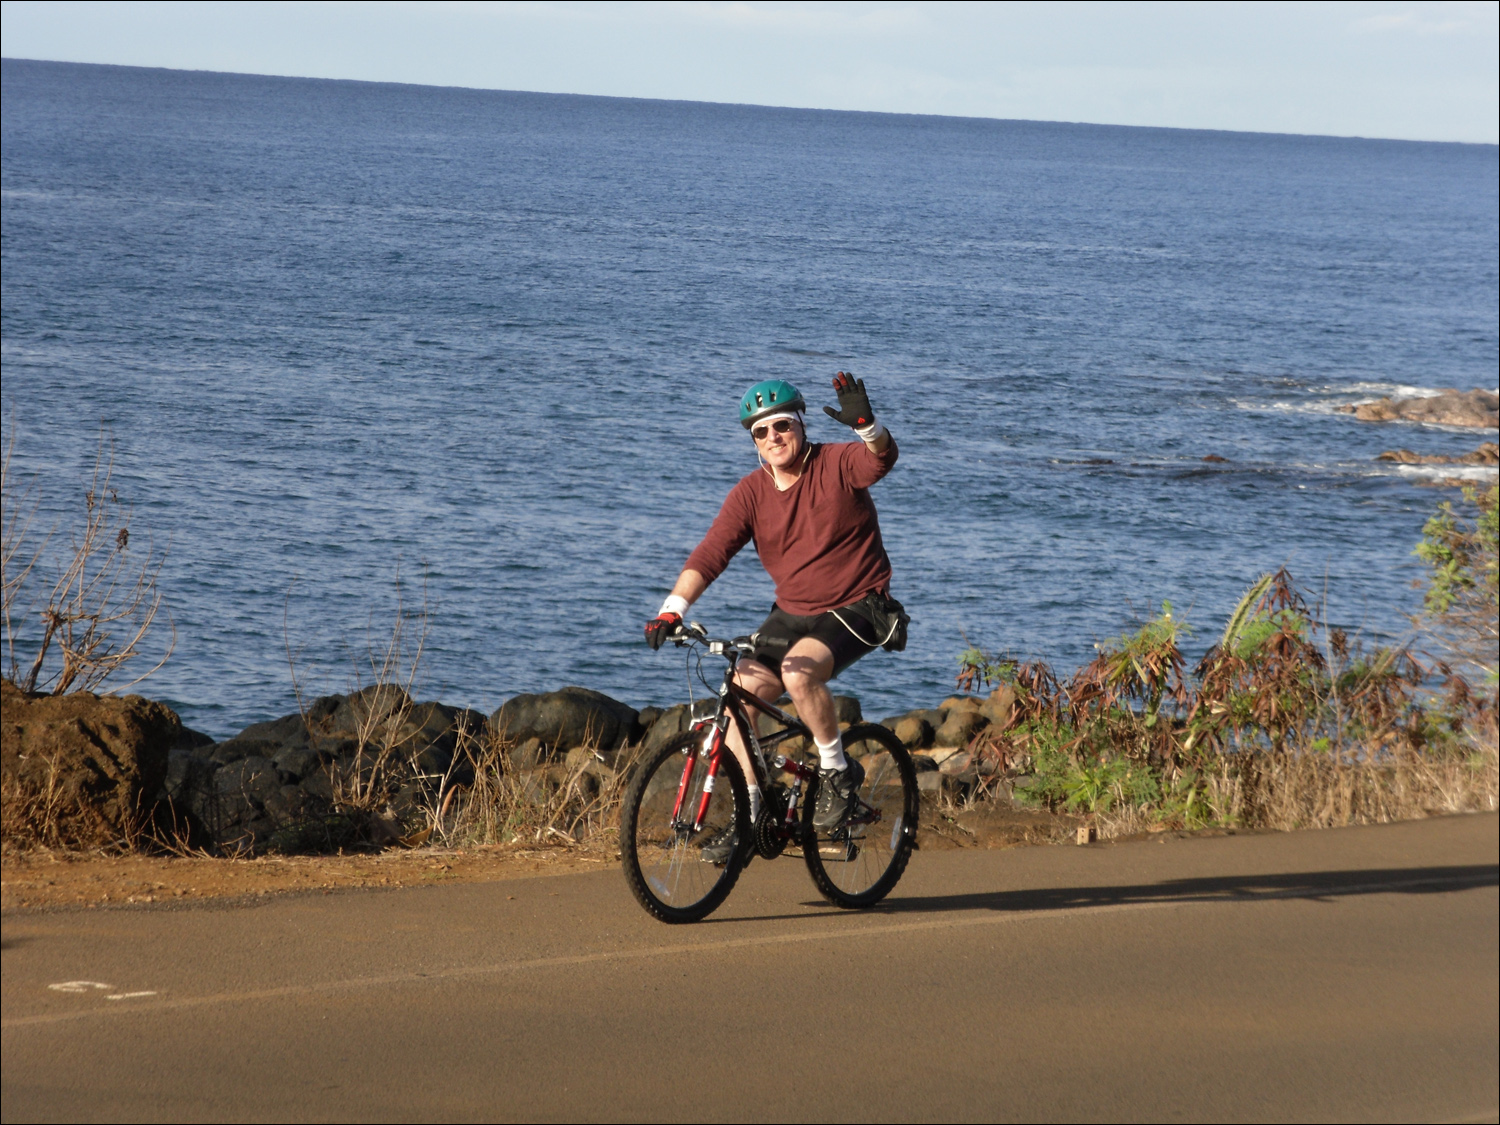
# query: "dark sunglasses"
{"type": "Point", "coordinates": [781, 426]}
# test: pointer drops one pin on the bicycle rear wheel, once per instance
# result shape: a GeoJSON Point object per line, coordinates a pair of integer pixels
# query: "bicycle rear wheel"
{"type": "Point", "coordinates": [857, 864]}
{"type": "Point", "coordinates": [663, 856]}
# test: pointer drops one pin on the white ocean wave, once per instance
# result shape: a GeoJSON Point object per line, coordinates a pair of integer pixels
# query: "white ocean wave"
{"type": "Point", "coordinates": [1392, 469]}
{"type": "Point", "coordinates": [1369, 391]}
{"type": "Point", "coordinates": [1386, 469]}
{"type": "Point", "coordinates": [1383, 469]}
{"type": "Point", "coordinates": [1335, 398]}
{"type": "Point", "coordinates": [1308, 406]}
{"type": "Point", "coordinates": [1471, 431]}
{"type": "Point", "coordinates": [1445, 472]}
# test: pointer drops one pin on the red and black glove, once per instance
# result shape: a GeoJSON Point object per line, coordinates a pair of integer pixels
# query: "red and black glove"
{"type": "Point", "coordinates": [660, 627]}
{"type": "Point", "coordinates": [854, 405]}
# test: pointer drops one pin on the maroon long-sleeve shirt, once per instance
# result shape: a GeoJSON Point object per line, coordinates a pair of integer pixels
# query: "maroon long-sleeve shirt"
{"type": "Point", "coordinates": [819, 540]}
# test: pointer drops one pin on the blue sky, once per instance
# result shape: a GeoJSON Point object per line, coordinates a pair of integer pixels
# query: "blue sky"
{"type": "Point", "coordinates": [1413, 71]}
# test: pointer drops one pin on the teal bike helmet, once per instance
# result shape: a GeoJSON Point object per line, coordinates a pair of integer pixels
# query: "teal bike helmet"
{"type": "Point", "coordinates": [774, 396]}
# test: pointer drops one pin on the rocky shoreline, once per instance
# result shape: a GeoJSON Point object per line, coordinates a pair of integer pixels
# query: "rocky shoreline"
{"type": "Point", "coordinates": [1488, 453]}
{"type": "Point", "coordinates": [1486, 456]}
{"type": "Point", "coordinates": [377, 767]}
{"type": "Point", "coordinates": [303, 782]}
{"type": "Point", "coordinates": [1476, 409]}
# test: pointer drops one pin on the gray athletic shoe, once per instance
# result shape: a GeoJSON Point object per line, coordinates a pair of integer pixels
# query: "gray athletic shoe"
{"type": "Point", "coordinates": [836, 789]}
{"type": "Point", "coordinates": [721, 845]}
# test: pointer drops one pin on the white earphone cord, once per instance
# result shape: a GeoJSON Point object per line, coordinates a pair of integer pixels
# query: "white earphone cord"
{"type": "Point", "coordinates": [879, 644]}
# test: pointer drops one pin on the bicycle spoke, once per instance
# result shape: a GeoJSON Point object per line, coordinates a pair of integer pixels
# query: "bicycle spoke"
{"type": "Point", "coordinates": [857, 864]}
{"type": "Point", "coordinates": [674, 871]}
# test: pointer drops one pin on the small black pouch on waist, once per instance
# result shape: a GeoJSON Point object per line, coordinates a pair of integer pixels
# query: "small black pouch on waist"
{"type": "Point", "coordinates": [896, 621]}
{"type": "Point", "coordinates": [887, 617]}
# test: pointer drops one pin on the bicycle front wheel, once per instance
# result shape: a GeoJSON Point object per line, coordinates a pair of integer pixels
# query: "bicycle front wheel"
{"type": "Point", "coordinates": [679, 873]}
{"type": "Point", "coordinates": [857, 864]}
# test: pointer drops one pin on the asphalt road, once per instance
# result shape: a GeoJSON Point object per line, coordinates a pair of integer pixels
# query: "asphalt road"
{"type": "Point", "coordinates": [1341, 975]}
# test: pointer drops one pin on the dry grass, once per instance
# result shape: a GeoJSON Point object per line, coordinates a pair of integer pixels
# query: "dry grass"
{"type": "Point", "coordinates": [380, 692]}
{"type": "Point", "coordinates": [574, 803]}
{"type": "Point", "coordinates": [35, 811]}
{"type": "Point", "coordinates": [1293, 791]}
{"type": "Point", "coordinates": [1322, 791]}
{"type": "Point", "coordinates": [42, 810]}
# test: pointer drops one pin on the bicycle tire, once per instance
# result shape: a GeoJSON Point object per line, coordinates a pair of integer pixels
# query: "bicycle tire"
{"type": "Point", "coordinates": [861, 868]}
{"type": "Point", "coordinates": [664, 866]}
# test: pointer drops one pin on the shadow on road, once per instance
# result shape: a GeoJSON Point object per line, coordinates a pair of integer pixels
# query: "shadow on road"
{"type": "Point", "coordinates": [1318, 886]}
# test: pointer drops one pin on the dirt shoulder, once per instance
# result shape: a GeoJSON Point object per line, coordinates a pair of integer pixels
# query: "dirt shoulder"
{"type": "Point", "coordinates": [70, 880]}
{"type": "Point", "coordinates": [42, 880]}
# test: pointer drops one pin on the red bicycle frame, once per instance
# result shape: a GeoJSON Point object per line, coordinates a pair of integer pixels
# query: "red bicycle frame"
{"type": "Point", "coordinates": [714, 748]}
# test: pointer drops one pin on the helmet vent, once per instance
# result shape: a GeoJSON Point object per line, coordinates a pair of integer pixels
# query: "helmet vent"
{"type": "Point", "coordinates": [769, 395]}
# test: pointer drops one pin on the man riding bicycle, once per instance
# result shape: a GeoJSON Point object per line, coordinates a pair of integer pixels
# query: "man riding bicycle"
{"type": "Point", "coordinates": [809, 512]}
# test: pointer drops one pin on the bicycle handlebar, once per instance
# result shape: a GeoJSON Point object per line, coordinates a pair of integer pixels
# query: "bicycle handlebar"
{"type": "Point", "coordinates": [692, 632]}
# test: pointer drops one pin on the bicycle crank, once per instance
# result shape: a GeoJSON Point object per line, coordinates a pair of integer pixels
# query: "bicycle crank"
{"type": "Point", "coordinates": [771, 834]}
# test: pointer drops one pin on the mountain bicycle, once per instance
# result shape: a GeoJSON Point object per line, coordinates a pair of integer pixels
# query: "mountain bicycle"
{"type": "Point", "coordinates": [690, 795]}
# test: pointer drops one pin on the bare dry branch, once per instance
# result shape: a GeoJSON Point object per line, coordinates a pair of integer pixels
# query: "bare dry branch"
{"type": "Point", "coordinates": [103, 602]}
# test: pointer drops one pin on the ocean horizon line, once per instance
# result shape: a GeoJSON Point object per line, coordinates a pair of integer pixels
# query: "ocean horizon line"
{"type": "Point", "coordinates": [859, 113]}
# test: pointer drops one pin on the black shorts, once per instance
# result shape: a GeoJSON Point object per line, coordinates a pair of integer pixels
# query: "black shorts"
{"type": "Point", "coordinates": [781, 630]}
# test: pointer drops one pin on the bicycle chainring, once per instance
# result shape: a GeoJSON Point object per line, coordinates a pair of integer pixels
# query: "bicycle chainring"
{"type": "Point", "coordinates": [771, 834]}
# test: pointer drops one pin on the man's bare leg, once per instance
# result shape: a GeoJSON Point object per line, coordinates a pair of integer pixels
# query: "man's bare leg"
{"type": "Point", "coordinates": [806, 670]}
{"type": "Point", "coordinates": [759, 680]}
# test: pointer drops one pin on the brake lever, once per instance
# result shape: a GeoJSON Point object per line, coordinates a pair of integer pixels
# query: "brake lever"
{"type": "Point", "coordinates": [686, 634]}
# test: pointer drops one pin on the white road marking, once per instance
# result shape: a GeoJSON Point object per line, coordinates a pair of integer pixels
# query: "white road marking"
{"type": "Point", "coordinates": [128, 995]}
{"type": "Point", "coordinates": [79, 986]}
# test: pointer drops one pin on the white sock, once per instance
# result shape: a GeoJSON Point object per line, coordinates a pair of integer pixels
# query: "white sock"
{"type": "Point", "coordinates": [754, 803]}
{"type": "Point", "coordinates": [832, 754]}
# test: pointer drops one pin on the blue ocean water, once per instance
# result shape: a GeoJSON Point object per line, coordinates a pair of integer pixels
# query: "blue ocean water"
{"type": "Point", "coordinates": [495, 341]}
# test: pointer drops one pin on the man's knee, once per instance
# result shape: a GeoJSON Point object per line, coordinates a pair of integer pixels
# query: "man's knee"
{"type": "Point", "coordinates": [810, 663]}
{"type": "Point", "coordinates": [802, 676]}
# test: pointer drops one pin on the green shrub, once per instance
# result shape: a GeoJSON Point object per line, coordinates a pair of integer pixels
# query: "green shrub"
{"type": "Point", "coordinates": [1463, 594]}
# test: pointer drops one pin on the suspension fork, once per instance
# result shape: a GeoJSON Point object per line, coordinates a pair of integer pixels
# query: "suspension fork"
{"type": "Point", "coordinates": [712, 744]}
{"type": "Point", "coordinates": [690, 761]}
{"type": "Point", "coordinates": [715, 750]}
